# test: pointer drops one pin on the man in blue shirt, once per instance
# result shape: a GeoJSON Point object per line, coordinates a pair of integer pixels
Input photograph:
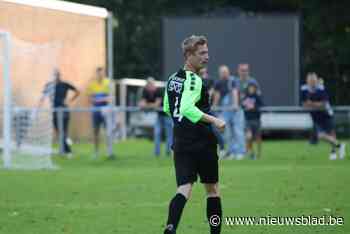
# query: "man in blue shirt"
{"type": "Point", "coordinates": [315, 97]}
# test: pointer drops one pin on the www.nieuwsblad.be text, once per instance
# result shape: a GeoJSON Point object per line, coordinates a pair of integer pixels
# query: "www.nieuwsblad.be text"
{"type": "Point", "coordinates": [303, 220]}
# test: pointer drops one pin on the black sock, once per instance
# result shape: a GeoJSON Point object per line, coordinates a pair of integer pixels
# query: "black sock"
{"type": "Point", "coordinates": [214, 210]}
{"type": "Point", "coordinates": [176, 207]}
{"type": "Point", "coordinates": [335, 147]}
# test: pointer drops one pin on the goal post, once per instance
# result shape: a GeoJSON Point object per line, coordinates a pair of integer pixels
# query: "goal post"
{"type": "Point", "coordinates": [5, 62]}
{"type": "Point", "coordinates": [26, 130]}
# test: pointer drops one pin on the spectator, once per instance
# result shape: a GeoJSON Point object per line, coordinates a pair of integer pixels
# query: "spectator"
{"type": "Point", "coordinates": [152, 98]}
{"type": "Point", "coordinates": [251, 104]}
{"type": "Point", "coordinates": [99, 96]}
{"type": "Point", "coordinates": [313, 140]}
{"type": "Point", "coordinates": [57, 91]}
{"type": "Point", "coordinates": [209, 83]}
{"type": "Point", "coordinates": [315, 97]}
{"type": "Point", "coordinates": [243, 80]}
{"type": "Point", "coordinates": [226, 96]}
{"type": "Point", "coordinates": [203, 73]}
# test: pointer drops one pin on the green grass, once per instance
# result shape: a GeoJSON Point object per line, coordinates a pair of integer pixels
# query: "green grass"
{"type": "Point", "coordinates": [131, 194]}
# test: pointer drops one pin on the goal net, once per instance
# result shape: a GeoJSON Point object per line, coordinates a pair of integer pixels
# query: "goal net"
{"type": "Point", "coordinates": [26, 131]}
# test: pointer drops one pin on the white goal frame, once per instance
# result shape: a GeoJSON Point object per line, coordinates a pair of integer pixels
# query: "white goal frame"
{"type": "Point", "coordinates": [5, 39]}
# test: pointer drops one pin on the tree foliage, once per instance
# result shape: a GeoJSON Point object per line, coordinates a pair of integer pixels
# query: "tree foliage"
{"type": "Point", "coordinates": [325, 34]}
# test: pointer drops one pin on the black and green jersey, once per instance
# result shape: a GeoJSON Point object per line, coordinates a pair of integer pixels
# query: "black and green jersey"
{"type": "Point", "coordinates": [186, 99]}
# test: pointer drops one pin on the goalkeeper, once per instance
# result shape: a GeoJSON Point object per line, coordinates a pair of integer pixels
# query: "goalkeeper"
{"type": "Point", "coordinates": [186, 99]}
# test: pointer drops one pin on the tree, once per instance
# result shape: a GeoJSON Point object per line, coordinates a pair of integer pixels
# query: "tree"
{"type": "Point", "coordinates": [325, 34]}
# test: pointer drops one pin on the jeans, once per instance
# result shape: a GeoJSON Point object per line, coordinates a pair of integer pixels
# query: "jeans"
{"type": "Point", "coordinates": [166, 123]}
{"type": "Point", "coordinates": [235, 124]}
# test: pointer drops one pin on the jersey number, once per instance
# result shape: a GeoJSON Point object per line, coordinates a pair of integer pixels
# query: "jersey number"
{"type": "Point", "coordinates": [176, 113]}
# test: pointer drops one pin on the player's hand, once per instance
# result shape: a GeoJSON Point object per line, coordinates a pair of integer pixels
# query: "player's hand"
{"type": "Point", "coordinates": [220, 124]}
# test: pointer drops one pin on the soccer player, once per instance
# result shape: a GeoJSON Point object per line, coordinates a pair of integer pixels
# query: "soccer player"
{"type": "Point", "coordinates": [57, 91]}
{"type": "Point", "coordinates": [186, 99]}
{"type": "Point", "coordinates": [98, 92]}
{"type": "Point", "coordinates": [315, 96]}
{"type": "Point", "coordinates": [251, 104]}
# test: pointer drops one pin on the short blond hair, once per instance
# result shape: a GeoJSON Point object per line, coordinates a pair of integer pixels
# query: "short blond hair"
{"type": "Point", "coordinates": [190, 44]}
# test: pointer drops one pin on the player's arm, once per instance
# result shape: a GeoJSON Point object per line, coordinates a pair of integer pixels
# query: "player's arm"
{"type": "Point", "coordinates": [45, 94]}
{"type": "Point", "coordinates": [216, 98]}
{"type": "Point", "coordinates": [158, 102]}
{"type": "Point", "coordinates": [75, 91]}
{"type": "Point", "coordinates": [319, 104]}
{"type": "Point", "coordinates": [41, 101]}
{"type": "Point", "coordinates": [191, 94]}
{"type": "Point", "coordinates": [152, 105]}
{"type": "Point", "coordinates": [323, 102]}
{"type": "Point", "coordinates": [216, 95]}
{"type": "Point", "coordinates": [313, 104]}
{"type": "Point", "coordinates": [218, 123]}
{"type": "Point", "coordinates": [305, 101]}
{"type": "Point", "coordinates": [76, 95]}
{"type": "Point", "coordinates": [166, 107]}
{"type": "Point", "coordinates": [143, 103]}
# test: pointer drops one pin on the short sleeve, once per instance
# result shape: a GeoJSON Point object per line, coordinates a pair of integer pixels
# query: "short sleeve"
{"type": "Point", "coordinates": [159, 93]}
{"type": "Point", "coordinates": [234, 83]}
{"type": "Point", "coordinates": [304, 95]}
{"type": "Point", "coordinates": [217, 85]}
{"type": "Point", "coordinates": [69, 86]}
{"type": "Point", "coordinates": [324, 96]}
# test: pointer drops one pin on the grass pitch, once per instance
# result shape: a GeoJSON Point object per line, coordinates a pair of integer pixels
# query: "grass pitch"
{"type": "Point", "coordinates": [131, 193]}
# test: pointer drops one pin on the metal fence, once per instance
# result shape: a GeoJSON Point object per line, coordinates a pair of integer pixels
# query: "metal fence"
{"type": "Point", "coordinates": [123, 122]}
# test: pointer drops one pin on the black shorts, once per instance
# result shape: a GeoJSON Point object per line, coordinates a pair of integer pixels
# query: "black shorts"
{"type": "Point", "coordinates": [254, 127]}
{"type": "Point", "coordinates": [190, 165]}
{"type": "Point", "coordinates": [325, 126]}
{"type": "Point", "coordinates": [98, 119]}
